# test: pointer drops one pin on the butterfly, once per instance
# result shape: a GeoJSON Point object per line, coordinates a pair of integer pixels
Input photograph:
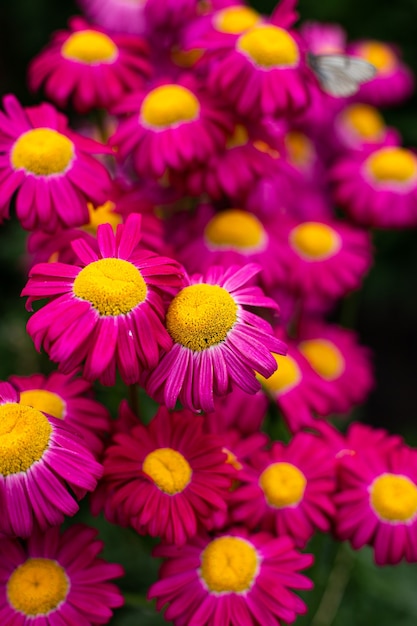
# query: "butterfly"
{"type": "Point", "coordinates": [340, 75]}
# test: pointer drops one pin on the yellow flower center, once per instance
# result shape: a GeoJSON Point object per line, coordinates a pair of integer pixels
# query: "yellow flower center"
{"type": "Point", "coordinates": [45, 401]}
{"type": "Point", "coordinates": [200, 316]}
{"type": "Point", "coordinates": [37, 587]}
{"type": "Point", "coordinates": [269, 47]}
{"type": "Point", "coordinates": [236, 19]}
{"type": "Point", "coordinates": [229, 565]}
{"type": "Point", "coordinates": [168, 469]}
{"type": "Point", "coordinates": [325, 359]}
{"type": "Point", "coordinates": [89, 47]}
{"type": "Point", "coordinates": [235, 229]}
{"type": "Point", "coordinates": [169, 105]}
{"type": "Point", "coordinates": [112, 286]}
{"type": "Point", "coordinates": [392, 165]}
{"type": "Point", "coordinates": [285, 378]}
{"type": "Point", "coordinates": [104, 214]}
{"type": "Point", "coordinates": [24, 437]}
{"type": "Point", "coordinates": [283, 485]}
{"type": "Point", "coordinates": [239, 138]}
{"type": "Point", "coordinates": [364, 120]}
{"type": "Point", "coordinates": [43, 152]}
{"type": "Point", "coordinates": [300, 148]}
{"type": "Point", "coordinates": [394, 498]}
{"type": "Point", "coordinates": [315, 241]}
{"type": "Point", "coordinates": [380, 55]}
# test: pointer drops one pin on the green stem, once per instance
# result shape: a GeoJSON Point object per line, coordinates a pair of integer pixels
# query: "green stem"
{"type": "Point", "coordinates": [336, 585]}
{"type": "Point", "coordinates": [135, 599]}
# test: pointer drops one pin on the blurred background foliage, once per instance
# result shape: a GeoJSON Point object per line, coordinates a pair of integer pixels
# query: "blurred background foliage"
{"type": "Point", "coordinates": [349, 588]}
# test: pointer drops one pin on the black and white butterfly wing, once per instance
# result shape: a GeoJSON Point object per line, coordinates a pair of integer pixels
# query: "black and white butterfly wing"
{"type": "Point", "coordinates": [341, 75]}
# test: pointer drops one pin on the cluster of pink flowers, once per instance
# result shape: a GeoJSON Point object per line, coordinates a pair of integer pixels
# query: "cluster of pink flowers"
{"type": "Point", "coordinates": [194, 235]}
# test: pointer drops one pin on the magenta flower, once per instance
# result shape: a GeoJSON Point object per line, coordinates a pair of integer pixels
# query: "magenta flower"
{"type": "Point", "coordinates": [55, 579]}
{"type": "Point", "coordinates": [107, 311]}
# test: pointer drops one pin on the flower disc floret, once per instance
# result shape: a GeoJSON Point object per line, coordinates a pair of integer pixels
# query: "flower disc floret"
{"type": "Point", "coordinates": [286, 376]}
{"type": "Point", "coordinates": [169, 470]}
{"type": "Point", "coordinates": [380, 55]}
{"type": "Point", "coordinates": [269, 47]}
{"type": "Point", "coordinates": [315, 241]}
{"type": "Point", "coordinates": [201, 316]}
{"type": "Point", "coordinates": [392, 165]}
{"type": "Point", "coordinates": [324, 357]}
{"type": "Point", "coordinates": [90, 47]}
{"type": "Point", "coordinates": [169, 105]}
{"type": "Point", "coordinates": [229, 565]}
{"type": "Point", "coordinates": [236, 229]}
{"type": "Point", "coordinates": [24, 437]}
{"type": "Point", "coordinates": [394, 498]}
{"type": "Point", "coordinates": [365, 121]}
{"type": "Point", "coordinates": [37, 587]}
{"type": "Point", "coordinates": [283, 484]}
{"type": "Point", "coordinates": [112, 286]}
{"type": "Point", "coordinates": [43, 152]}
{"type": "Point", "coordinates": [236, 19]}
{"type": "Point", "coordinates": [45, 401]}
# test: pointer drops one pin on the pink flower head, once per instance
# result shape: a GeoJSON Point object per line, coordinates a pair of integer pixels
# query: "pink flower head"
{"type": "Point", "coordinates": [394, 80]}
{"type": "Point", "coordinates": [343, 368]}
{"type": "Point", "coordinates": [324, 38]}
{"type": "Point", "coordinates": [357, 125]}
{"type": "Point", "coordinates": [170, 126]}
{"type": "Point", "coordinates": [377, 186]}
{"type": "Point", "coordinates": [49, 166]}
{"type": "Point", "coordinates": [41, 457]}
{"type": "Point", "coordinates": [237, 577]}
{"type": "Point", "coordinates": [69, 399]}
{"type": "Point", "coordinates": [217, 341]}
{"type": "Point", "coordinates": [57, 578]}
{"type": "Point", "coordinates": [289, 490]}
{"type": "Point", "coordinates": [106, 311]}
{"type": "Point", "coordinates": [168, 478]}
{"type": "Point", "coordinates": [325, 257]}
{"type": "Point", "coordinates": [377, 503]}
{"type": "Point", "coordinates": [118, 16]}
{"type": "Point", "coordinates": [89, 67]}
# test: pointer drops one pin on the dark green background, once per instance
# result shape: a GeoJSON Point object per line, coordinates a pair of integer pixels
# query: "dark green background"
{"type": "Point", "coordinates": [385, 313]}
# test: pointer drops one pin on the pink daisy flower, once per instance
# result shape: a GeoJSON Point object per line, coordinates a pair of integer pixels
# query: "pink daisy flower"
{"type": "Point", "coordinates": [360, 124]}
{"type": "Point", "coordinates": [69, 399]}
{"type": "Point", "coordinates": [342, 367]}
{"type": "Point", "coordinates": [377, 503]}
{"type": "Point", "coordinates": [326, 257]}
{"type": "Point", "coordinates": [55, 579]}
{"type": "Point", "coordinates": [394, 80]}
{"type": "Point", "coordinates": [49, 166]}
{"type": "Point", "coordinates": [170, 126]}
{"type": "Point", "coordinates": [289, 491]}
{"type": "Point", "coordinates": [106, 311]}
{"type": "Point", "coordinates": [89, 67]}
{"type": "Point", "coordinates": [41, 457]}
{"type": "Point", "coordinates": [235, 578]}
{"type": "Point", "coordinates": [324, 38]}
{"type": "Point", "coordinates": [121, 16]}
{"type": "Point", "coordinates": [168, 478]}
{"type": "Point", "coordinates": [377, 186]}
{"type": "Point", "coordinates": [217, 341]}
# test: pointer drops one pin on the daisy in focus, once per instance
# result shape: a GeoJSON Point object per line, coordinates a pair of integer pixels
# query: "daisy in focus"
{"type": "Point", "coordinates": [218, 342]}
{"type": "Point", "coordinates": [106, 312]}
{"type": "Point", "coordinates": [49, 166]}
{"type": "Point", "coordinates": [237, 578]}
{"type": "Point", "coordinates": [55, 579]}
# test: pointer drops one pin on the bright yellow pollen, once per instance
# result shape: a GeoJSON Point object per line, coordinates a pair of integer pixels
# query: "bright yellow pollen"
{"type": "Point", "coordinates": [24, 437]}
{"type": "Point", "coordinates": [45, 401]}
{"type": "Point", "coordinates": [269, 46]}
{"type": "Point", "coordinates": [200, 316]}
{"type": "Point", "coordinates": [300, 148]}
{"type": "Point", "coordinates": [169, 105]}
{"type": "Point", "coordinates": [37, 587]}
{"type": "Point", "coordinates": [232, 459]}
{"type": "Point", "coordinates": [239, 138]}
{"type": "Point", "coordinates": [283, 484]}
{"type": "Point", "coordinates": [104, 214]}
{"type": "Point", "coordinates": [89, 47]}
{"type": "Point", "coordinates": [392, 165]}
{"type": "Point", "coordinates": [380, 55]}
{"type": "Point", "coordinates": [236, 19]}
{"type": "Point", "coordinates": [364, 120]}
{"type": "Point", "coordinates": [325, 359]}
{"type": "Point", "coordinates": [168, 469]}
{"type": "Point", "coordinates": [43, 152]}
{"type": "Point", "coordinates": [112, 286]}
{"type": "Point", "coordinates": [286, 377]}
{"type": "Point", "coordinates": [235, 229]}
{"type": "Point", "coordinates": [394, 498]}
{"type": "Point", "coordinates": [315, 241]}
{"type": "Point", "coordinates": [229, 565]}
